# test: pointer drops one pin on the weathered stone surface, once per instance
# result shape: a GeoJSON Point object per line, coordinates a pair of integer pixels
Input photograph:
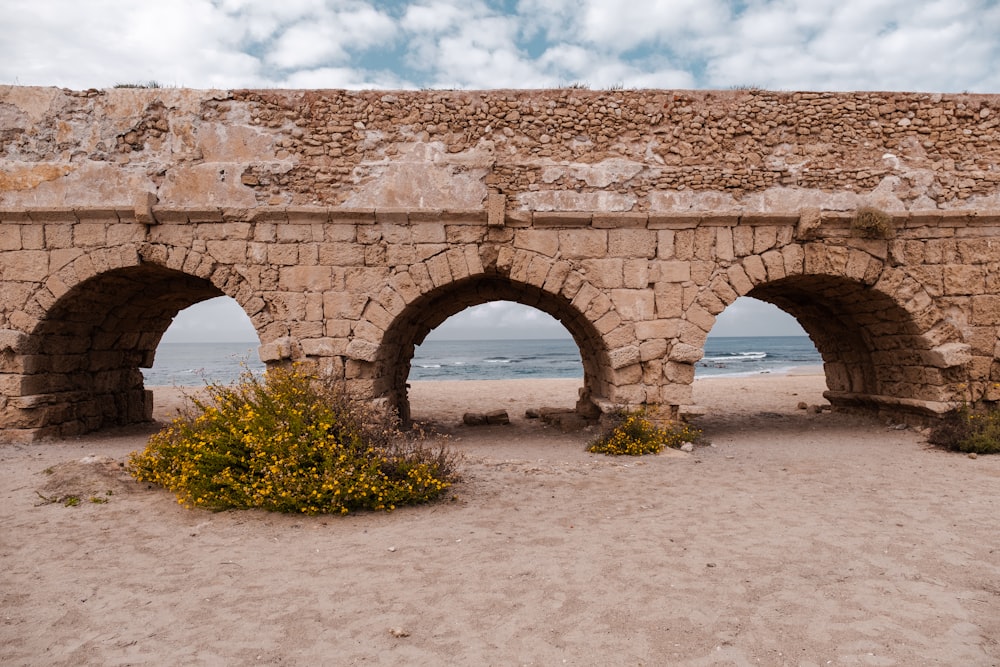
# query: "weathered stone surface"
{"type": "Point", "coordinates": [350, 224]}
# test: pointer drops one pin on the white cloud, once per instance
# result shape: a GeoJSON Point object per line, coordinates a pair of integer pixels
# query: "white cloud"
{"type": "Point", "coordinates": [218, 320]}
{"type": "Point", "coordinates": [432, 18]}
{"type": "Point", "coordinates": [343, 77]}
{"type": "Point", "coordinates": [100, 43]}
{"type": "Point", "coordinates": [858, 45]}
{"type": "Point", "coordinates": [328, 37]}
{"type": "Point", "coordinates": [621, 26]}
{"type": "Point", "coordinates": [470, 46]}
{"type": "Point", "coordinates": [499, 320]}
{"type": "Point", "coordinates": [931, 45]}
{"type": "Point", "coordinates": [751, 317]}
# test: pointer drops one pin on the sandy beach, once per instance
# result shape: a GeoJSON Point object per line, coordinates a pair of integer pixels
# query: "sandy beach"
{"type": "Point", "coordinates": [794, 538]}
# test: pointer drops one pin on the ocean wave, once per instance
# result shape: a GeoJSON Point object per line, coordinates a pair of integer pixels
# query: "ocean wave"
{"type": "Point", "coordinates": [737, 357]}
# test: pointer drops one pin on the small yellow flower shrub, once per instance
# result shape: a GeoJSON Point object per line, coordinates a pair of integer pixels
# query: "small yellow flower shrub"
{"type": "Point", "coordinates": [291, 442]}
{"type": "Point", "coordinates": [970, 431]}
{"type": "Point", "coordinates": [634, 435]}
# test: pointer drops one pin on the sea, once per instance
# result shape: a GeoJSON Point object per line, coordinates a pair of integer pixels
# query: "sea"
{"type": "Point", "coordinates": [192, 364]}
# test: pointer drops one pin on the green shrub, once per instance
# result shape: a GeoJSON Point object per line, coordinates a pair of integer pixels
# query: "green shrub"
{"type": "Point", "coordinates": [871, 223]}
{"type": "Point", "coordinates": [146, 84]}
{"type": "Point", "coordinates": [291, 442]}
{"type": "Point", "coordinates": [966, 430]}
{"type": "Point", "coordinates": [633, 434]}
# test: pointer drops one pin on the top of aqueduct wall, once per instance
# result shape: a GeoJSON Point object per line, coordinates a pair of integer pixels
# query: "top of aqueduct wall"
{"type": "Point", "coordinates": [635, 151]}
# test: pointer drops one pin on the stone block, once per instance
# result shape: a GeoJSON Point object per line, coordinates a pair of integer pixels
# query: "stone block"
{"type": "Point", "coordinates": [584, 297]}
{"type": "Point", "coordinates": [305, 278]}
{"type": "Point", "coordinates": [283, 254]}
{"type": "Point", "coordinates": [964, 279]}
{"type": "Point", "coordinates": [10, 236]}
{"type": "Point", "coordinates": [723, 290]}
{"type": "Point", "coordinates": [278, 350]}
{"type": "Point", "coordinates": [635, 305]}
{"type": "Point", "coordinates": [25, 265]}
{"type": "Point", "coordinates": [653, 329]}
{"type": "Point", "coordinates": [679, 372]}
{"type": "Point", "coordinates": [439, 269]}
{"type": "Point", "coordinates": [652, 349]}
{"type": "Point", "coordinates": [619, 220]}
{"type": "Point", "coordinates": [724, 249]}
{"type": "Point", "coordinates": [402, 282]}
{"type": "Point", "coordinates": [700, 317]}
{"type": "Point", "coordinates": [556, 278]}
{"type": "Point", "coordinates": [457, 264]}
{"type": "Point", "coordinates": [583, 243]}
{"type": "Point", "coordinates": [344, 305]}
{"type": "Point", "coordinates": [755, 269]}
{"type": "Point", "coordinates": [632, 243]}
{"type": "Point", "coordinates": [598, 307]}
{"type": "Point", "coordinates": [669, 300]}
{"type": "Point", "coordinates": [536, 240]}
{"type": "Point", "coordinates": [629, 396]}
{"type": "Point", "coordinates": [704, 243]}
{"type": "Point", "coordinates": [342, 254]}
{"type": "Point", "coordinates": [685, 353]}
{"type": "Point", "coordinates": [628, 375]}
{"type": "Point", "coordinates": [636, 273]}
{"type": "Point", "coordinates": [764, 238]}
{"type": "Point", "coordinates": [324, 347]}
{"type": "Point", "coordinates": [367, 280]}
{"type": "Point", "coordinates": [739, 280]}
{"type": "Point", "coordinates": [538, 270]}
{"type": "Point", "coordinates": [496, 208]}
{"type": "Point", "coordinates": [743, 241]}
{"type": "Point", "coordinates": [985, 310]}
{"type": "Point", "coordinates": [774, 264]}
{"type": "Point", "coordinates": [605, 273]}
{"type": "Point", "coordinates": [543, 218]}
{"type": "Point", "coordinates": [675, 394]}
{"type": "Point", "coordinates": [624, 356]}
{"type": "Point", "coordinates": [665, 244]}
{"type": "Point", "coordinates": [674, 272]}
{"type": "Point", "coordinates": [608, 323]}
{"type": "Point", "coordinates": [378, 316]}
{"type": "Point", "coordinates": [362, 350]}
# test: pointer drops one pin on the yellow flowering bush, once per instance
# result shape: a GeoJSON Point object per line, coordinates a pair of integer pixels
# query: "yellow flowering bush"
{"type": "Point", "coordinates": [967, 430]}
{"type": "Point", "coordinates": [633, 434]}
{"type": "Point", "coordinates": [290, 442]}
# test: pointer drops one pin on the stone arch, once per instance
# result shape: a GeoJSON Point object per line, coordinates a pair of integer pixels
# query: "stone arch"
{"type": "Point", "coordinates": [885, 344]}
{"type": "Point", "coordinates": [390, 366]}
{"type": "Point", "coordinates": [77, 368]}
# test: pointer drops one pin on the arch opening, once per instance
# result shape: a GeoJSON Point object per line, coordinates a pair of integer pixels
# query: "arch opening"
{"type": "Point", "coordinates": [80, 366]}
{"type": "Point", "coordinates": [500, 342]}
{"type": "Point", "coordinates": [209, 341]}
{"type": "Point", "coordinates": [755, 337]}
{"type": "Point", "coordinates": [877, 355]}
{"type": "Point", "coordinates": [423, 315]}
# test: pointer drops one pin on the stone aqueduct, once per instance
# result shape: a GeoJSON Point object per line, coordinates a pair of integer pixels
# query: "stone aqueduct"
{"type": "Point", "coordinates": [349, 224]}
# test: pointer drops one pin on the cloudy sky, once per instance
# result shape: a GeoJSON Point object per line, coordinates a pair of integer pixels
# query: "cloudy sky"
{"type": "Point", "coordinates": [925, 45]}
{"type": "Point", "coordinates": [917, 45]}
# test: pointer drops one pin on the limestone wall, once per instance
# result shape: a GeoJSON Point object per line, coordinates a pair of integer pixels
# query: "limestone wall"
{"type": "Point", "coordinates": [555, 150]}
{"type": "Point", "coordinates": [350, 224]}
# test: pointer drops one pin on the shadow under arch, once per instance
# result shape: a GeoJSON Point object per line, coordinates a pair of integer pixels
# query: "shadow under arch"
{"type": "Point", "coordinates": [80, 364]}
{"type": "Point", "coordinates": [431, 309]}
{"type": "Point", "coordinates": [878, 354]}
